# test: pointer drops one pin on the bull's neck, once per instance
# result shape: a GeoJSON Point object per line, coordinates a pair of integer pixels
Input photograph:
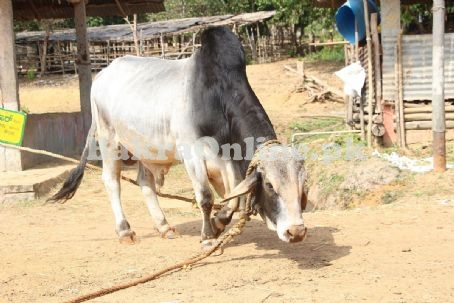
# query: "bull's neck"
{"type": "Point", "coordinates": [249, 122]}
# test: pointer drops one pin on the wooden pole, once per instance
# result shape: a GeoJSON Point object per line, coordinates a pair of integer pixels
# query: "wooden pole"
{"type": "Point", "coordinates": [369, 74]}
{"type": "Point", "coordinates": [356, 42]}
{"type": "Point", "coordinates": [10, 160]}
{"type": "Point", "coordinates": [361, 100]}
{"type": "Point", "coordinates": [83, 63]}
{"type": "Point", "coordinates": [399, 92]}
{"type": "Point", "coordinates": [161, 38]}
{"type": "Point", "coordinates": [438, 81]}
{"type": "Point", "coordinates": [377, 63]}
{"type": "Point", "coordinates": [135, 35]}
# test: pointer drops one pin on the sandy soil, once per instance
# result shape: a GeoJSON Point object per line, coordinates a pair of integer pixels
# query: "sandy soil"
{"type": "Point", "coordinates": [399, 252]}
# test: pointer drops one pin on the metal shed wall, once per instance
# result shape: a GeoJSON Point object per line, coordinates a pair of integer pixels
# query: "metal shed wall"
{"type": "Point", "coordinates": [417, 67]}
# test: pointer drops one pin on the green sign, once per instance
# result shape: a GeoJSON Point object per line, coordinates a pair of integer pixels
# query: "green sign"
{"type": "Point", "coordinates": [12, 124]}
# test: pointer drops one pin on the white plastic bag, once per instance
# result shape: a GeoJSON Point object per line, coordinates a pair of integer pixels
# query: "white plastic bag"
{"type": "Point", "coordinates": [353, 77]}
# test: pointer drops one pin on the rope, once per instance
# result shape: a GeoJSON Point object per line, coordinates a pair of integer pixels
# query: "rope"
{"type": "Point", "coordinates": [235, 230]}
{"type": "Point", "coordinates": [247, 208]}
{"type": "Point", "coordinates": [93, 167]}
{"type": "Point", "coordinates": [226, 238]}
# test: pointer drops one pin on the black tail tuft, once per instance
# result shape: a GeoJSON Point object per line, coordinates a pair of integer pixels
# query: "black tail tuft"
{"type": "Point", "coordinates": [72, 183]}
{"type": "Point", "coordinates": [70, 186]}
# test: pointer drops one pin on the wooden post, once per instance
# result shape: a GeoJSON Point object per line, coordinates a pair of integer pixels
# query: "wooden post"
{"type": "Point", "coordinates": [193, 42]}
{"type": "Point", "coordinates": [369, 74]}
{"type": "Point", "coordinates": [163, 54]}
{"type": "Point", "coordinates": [43, 57]}
{"type": "Point", "coordinates": [83, 63]}
{"type": "Point", "coordinates": [377, 64]}
{"type": "Point", "coordinates": [10, 160]}
{"type": "Point", "coordinates": [400, 92]}
{"type": "Point", "coordinates": [356, 42]}
{"type": "Point", "coordinates": [438, 81]}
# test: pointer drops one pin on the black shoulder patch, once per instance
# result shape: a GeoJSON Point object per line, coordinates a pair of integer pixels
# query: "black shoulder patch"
{"type": "Point", "coordinates": [221, 47]}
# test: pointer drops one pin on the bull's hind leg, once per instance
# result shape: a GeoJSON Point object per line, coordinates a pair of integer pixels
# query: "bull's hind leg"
{"type": "Point", "coordinates": [147, 183]}
{"type": "Point", "coordinates": [111, 170]}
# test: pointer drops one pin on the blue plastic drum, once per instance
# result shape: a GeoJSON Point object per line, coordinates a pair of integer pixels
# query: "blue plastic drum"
{"type": "Point", "coordinates": [347, 14]}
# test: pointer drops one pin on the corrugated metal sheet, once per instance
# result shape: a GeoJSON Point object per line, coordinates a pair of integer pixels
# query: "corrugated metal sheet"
{"type": "Point", "coordinates": [417, 67]}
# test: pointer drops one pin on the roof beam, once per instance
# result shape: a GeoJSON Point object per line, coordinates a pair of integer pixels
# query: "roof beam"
{"type": "Point", "coordinates": [120, 8]}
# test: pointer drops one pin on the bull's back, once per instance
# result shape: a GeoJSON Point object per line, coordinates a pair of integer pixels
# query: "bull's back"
{"type": "Point", "coordinates": [144, 98]}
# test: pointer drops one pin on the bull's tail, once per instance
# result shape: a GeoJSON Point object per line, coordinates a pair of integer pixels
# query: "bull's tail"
{"type": "Point", "coordinates": [75, 177]}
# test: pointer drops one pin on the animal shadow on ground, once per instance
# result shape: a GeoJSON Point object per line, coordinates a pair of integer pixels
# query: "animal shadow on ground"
{"type": "Point", "coordinates": [316, 251]}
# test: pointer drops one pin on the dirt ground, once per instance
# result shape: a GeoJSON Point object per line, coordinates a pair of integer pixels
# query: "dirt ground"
{"type": "Point", "coordinates": [397, 252]}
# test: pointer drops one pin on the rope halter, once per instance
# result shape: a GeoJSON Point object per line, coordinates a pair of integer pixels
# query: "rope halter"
{"type": "Point", "coordinates": [247, 208]}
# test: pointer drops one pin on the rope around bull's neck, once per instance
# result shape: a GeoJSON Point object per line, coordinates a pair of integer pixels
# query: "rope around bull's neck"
{"type": "Point", "coordinates": [255, 158]}
{"type": "Point", "coordinates": [247, 209]}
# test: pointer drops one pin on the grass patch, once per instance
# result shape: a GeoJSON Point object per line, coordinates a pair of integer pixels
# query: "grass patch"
{"type": "Point", "coordinates": [329, 184]}
{"type": "Point", "coordinates": [389, 197]}
{"type": "Point", "coordinates": [316, 141]}
{"type": "Point", "coordinates": [308, 124]}
{"type": "Point", "coordinates": [327, 53]}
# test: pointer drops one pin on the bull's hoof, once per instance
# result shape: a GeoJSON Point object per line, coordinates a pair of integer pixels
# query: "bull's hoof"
{"type": "Point", "coordinates": [208, 244]}
{"type": "Point", "coordinates": [128, 237]}
{"type": "Point", "coordinates": [171, 233]}
{"type": "Point", "coordinates": [217, 230]}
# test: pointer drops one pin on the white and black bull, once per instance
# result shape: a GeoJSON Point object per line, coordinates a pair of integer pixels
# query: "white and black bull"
{"type": "Point", "coordinates": [174, 103]}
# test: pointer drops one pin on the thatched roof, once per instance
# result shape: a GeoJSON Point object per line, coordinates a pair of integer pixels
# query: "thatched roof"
{"type": "Point", "coordinates": [55, 9]}
{"type": "Point", "coordinates": [122, 32]}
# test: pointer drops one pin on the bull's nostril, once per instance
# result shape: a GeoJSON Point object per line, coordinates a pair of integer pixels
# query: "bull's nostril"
{"type": "Point", "coordinates": [296, 233]}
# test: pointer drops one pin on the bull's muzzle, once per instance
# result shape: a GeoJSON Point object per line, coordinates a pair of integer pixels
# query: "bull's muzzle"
{"type": "Point", "coordinates": [296, 233]}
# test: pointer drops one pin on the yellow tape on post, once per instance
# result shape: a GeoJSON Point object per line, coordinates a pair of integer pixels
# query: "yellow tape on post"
{"type": "Point", "coordinates": [12, 124]}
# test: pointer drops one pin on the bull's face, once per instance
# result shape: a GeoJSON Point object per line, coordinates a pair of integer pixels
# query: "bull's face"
{"type": "Point", "coordinates": [279, 196]}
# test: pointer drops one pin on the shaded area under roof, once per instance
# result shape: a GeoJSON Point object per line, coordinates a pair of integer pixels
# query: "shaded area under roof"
{"type": "Point", "coordinates": [122, 32]}
{"type": "Point", "coordinates": [56, 9]}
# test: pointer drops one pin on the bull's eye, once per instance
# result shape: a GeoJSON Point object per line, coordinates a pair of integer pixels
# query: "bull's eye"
{"type": "Point", "coordinates": [269, 186]}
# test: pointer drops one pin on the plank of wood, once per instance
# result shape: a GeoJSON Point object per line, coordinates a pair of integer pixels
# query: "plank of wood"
{"type": "Point", "coordinates": [426, 116]}
{"type": "Point", "coordinates": [413, 125]}
{"type": "Point", "coordinates": [426, 109]}
{"type": "Point", "coordinates": [328, 43]}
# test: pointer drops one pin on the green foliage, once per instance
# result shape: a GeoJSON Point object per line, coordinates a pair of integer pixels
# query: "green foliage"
{"type": "Point", "coordinates": [20, 26]}
{"type": "Point", "coordinates": [43, 25]}
{"type": "Point", "coordinates": [329, 183]}
{"type": "Point", "coordinates": [308, 124]}
{"type": "Point", "coordinates": [327, 53]}
{"type": "Point", "coordinates": [416, 17]}
{"type": "Point", "coordinates": [31, 74]}
{"type": "Point", "coordinates": [109, 20]}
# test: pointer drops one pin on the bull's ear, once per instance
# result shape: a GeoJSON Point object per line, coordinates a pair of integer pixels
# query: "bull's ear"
{"type": "Point", "coordinates": [245, 186]}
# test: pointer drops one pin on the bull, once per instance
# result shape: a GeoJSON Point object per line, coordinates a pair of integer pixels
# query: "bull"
{"type": "Point", "coordinates": [175, 103]}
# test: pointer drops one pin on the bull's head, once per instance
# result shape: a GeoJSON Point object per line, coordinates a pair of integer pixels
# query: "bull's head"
{"type": "Point", "coordinates": [278, 194]}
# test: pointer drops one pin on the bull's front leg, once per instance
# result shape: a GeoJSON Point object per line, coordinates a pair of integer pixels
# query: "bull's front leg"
{"type": "Point", "coordinates": [197, 173]}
